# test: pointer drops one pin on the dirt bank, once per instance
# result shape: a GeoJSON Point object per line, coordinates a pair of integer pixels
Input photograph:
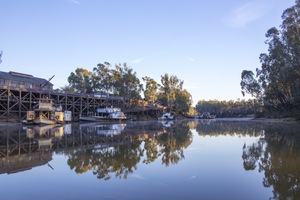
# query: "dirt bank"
{"type": "Point", "coordinates": [277, 120]}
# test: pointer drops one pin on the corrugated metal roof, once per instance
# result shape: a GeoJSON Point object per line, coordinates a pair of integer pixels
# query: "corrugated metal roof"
{"type": "Point", "coordinates": [23, 77]}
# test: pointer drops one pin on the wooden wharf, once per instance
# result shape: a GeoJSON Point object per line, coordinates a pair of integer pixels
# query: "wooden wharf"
{"type": "Point", "coordinates": [22, 150]}
{"type": "Point", "coordinates": [15, 102]}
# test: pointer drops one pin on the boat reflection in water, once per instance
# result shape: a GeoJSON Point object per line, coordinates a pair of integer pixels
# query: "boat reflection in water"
{"type": "Point", "coordinates": [167, 123]}
{"type": "Point", "coordinates": [34, 145]}
{"type": "Point", "coordinates": [182, 155]}
{"type": "Point", "coordinates": [44, 135]}
{"type": "Point", "coordinates": [104, 129]}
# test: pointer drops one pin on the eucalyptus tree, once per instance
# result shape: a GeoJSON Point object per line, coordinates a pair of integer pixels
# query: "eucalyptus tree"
{"type": "Point", "coordinates": [228, 108]}
{"type": "Point", "coordinates": [291, 36]}
{"type": "Point", "coordinates": [151, 89]}
{"type": "Point", "coordinates": [169, 86]}
{"type": "Point", "coordinates": [125, 82]}
{"type": "Point", "coordinates": [278, 79]}
{"type": "Point", "coordinates": [82, 81]}
{"type": "Point", "coordinates": [274, 72]}
{"type": "Point", "coordinates": [250, 85]}
{"type": "Point", "coordinates": [103, 77]}
{"type": "Point", "coordinates": [183, 101]}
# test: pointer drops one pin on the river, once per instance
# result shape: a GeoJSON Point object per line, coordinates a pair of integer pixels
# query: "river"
{"type": "Point", "coordinates": [188, 159]}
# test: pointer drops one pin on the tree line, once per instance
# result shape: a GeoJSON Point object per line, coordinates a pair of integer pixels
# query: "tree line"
{"type": "Point", "coordinates": [239, 108]}
{"type": "Point", "coordinates": [122, 81]}
{"type": "Point", "coordinates": [276, 84]}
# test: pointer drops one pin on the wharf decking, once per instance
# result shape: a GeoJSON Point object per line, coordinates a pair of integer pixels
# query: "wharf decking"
{"type": "Point", "coordinates": [15, 102]}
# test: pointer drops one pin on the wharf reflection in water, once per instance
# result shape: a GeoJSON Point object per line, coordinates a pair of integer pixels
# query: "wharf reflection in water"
{"type": "Point", "coordinates": [22, 148]}
{"type": "Point", "coordinates": [274, 150]}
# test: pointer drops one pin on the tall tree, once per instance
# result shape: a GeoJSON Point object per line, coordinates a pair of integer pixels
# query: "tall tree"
{"type": "Point", "coordinates": [250, 85]}
{"type": "Point", "coordinates": [103, 77]}
{"type": "Point", "coordinates": [125, 82]}
{"type": "Point", "coordinates": [151, 89]}
{"type": "Point", "coordinates": [83, 81]}
{"type": "Point", "coordinates": [279, 75]}
{"type": "Point", "coordinates": [183, 101]}
{"type": "Point", "coordinates": [169, 85]}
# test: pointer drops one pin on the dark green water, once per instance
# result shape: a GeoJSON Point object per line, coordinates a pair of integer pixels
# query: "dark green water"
{"type": "Point", "coordinates": [151, 160]}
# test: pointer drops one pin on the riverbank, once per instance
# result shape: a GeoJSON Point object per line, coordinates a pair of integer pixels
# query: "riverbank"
{"type": "Point", "coordinates": [277, 120]}
{"type": "Point", "coordinates": [267, 120]}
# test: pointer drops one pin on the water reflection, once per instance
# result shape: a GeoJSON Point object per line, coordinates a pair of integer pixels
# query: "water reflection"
{"type": "Point", "coordinates": [278, 157]}
{"type": "Point", "coordinates": [115, 150]}
{"type": "Point", "coordinates": [120, 159]}
{"type": "Point", "coordinates": [276, 153]}
{"type": "Point", "coordinates": [103, 129]}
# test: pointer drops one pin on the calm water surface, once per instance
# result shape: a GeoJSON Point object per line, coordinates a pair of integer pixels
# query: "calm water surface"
{"type": "Point", "coordinates": [151, 160]}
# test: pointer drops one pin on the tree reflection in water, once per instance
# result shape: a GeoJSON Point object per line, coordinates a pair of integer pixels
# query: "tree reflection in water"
{"type": "Point", "coordinates": [173, 143]}
{"type": "Point", "coordinates": [276, 153]}
{"type": "Point", "coordinates": [121, 160]}
{"type": "Point", "coordinates": [278, 156]}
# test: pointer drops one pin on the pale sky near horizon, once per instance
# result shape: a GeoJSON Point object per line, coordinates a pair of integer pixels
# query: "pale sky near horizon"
{"type": "Point", "coordinates": [207, 44]}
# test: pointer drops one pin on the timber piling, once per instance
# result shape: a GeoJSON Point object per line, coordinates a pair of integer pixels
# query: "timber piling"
{"type": "Point", "coordinates": [15, 102]}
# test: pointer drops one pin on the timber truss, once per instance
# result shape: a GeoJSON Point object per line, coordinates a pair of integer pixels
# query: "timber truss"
{"type": "Point", "coordinates": [15, 102]}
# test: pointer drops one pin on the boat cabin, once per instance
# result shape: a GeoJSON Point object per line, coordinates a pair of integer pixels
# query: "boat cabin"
{"type": "Point", "coordinates": [45, 104]}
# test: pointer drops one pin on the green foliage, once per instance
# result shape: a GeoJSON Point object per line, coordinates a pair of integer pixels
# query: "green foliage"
{"type": "Point", "coordinates": [103, 77]}
{"type": "Point", "coordinates": [169, 85]}
{"type": "Point", "coordinates": [151, 89]}
{"type": "Point", "coordinates": [125, 82]}
{"type": "Point", "coordinates": [240, 108]}
{"type": "Point", "coordinates": [183, 101]}
{"type": "Point", "coordinates": [172, 94]}
{"type": "Point", "coordinates": [192, 111]}
{"type": "Point", "coordinates": [121, 81]}
{"type": "Point", "coordinates": [249, 84]}
{"type": "Point", "coordinates": [278, 80]}
{"type": "Point", "coordinates": [82, 81]}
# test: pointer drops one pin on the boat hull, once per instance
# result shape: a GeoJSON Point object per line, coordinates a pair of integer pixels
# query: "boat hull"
{"type": "Point", "coordinates": [44, 121]}
{"type": "Point", "coordinates": [100, 119]}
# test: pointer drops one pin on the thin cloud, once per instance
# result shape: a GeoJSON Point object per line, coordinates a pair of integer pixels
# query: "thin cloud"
{"type": "Point", "coordinates": [190, 59]}
{"type": "Point", "coordinates": [247, 14]}
{"type": "Point", "coordinates": [192, 177]}
{"type": "Point", "coordinates": [138, 60]}
{"type": "Point", "coordinates": [74, 1]}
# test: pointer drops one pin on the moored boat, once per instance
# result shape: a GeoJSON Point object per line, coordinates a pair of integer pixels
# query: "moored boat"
{"type": "Point", "coordinates": [45, 113]}
{"type": "Point", "coordinates": [105, 114]}
{"type": "Point", "coordinates": [167, 116]}
{"type": "Point", "coordinates": [206, 115]}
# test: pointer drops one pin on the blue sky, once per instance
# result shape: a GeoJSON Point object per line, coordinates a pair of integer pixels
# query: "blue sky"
{"type": "Point", "coordinates": [206, 44]}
